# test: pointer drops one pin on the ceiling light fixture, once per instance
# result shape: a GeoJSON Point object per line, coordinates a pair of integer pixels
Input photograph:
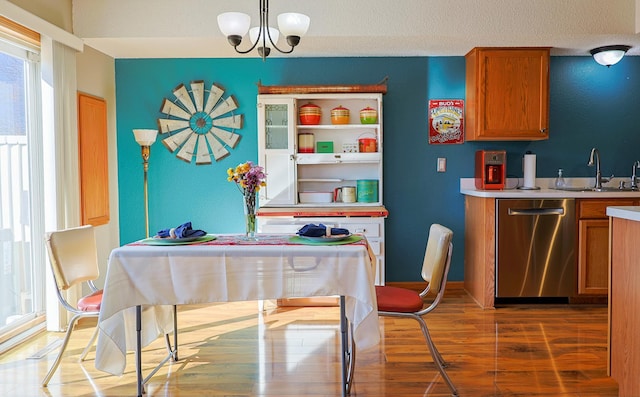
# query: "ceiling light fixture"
{"type": "Point", "coordinates": [610, 54]}
{"type": "Point", "coordinates": [235, 26]}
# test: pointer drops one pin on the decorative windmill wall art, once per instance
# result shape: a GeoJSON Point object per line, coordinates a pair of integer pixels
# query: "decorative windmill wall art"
{"type": "Point", "coordinates": [200, 123]}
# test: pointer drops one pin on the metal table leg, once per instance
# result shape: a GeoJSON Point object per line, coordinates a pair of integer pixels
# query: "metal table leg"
{"type": "Point", "coordinates": [347, 356]}
{"type": "Point", "coordinates": [139, 349]}
{"type": "Point", "coordinates": [172, 351]}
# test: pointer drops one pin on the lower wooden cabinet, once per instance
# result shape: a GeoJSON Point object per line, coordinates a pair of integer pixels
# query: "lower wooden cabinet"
{"type": "Point", "coordinates": [593, 244]}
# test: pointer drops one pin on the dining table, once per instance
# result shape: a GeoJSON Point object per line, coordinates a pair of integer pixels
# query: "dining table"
{"type": "Point", "coordinates": [146, 279]}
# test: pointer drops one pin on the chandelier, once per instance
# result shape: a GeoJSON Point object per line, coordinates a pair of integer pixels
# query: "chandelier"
{"type": "Point", "coordinates": [235, 26]}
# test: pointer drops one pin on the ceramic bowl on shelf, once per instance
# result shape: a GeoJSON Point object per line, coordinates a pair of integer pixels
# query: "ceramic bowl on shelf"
{"type": "Point", "coordinates": [368, 115]}
{"type": "Point", "coordinates": [310, 114]}
{"type": "Point", "coordinates": [340, 115]}
{"type": "Point", "coordinates": [315, 197]}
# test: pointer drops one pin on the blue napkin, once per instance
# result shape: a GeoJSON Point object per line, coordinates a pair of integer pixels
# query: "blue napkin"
{"type": "Point", "coordinates": [320, 230]}
{"type": "Point", "coordinates": [181, 231]}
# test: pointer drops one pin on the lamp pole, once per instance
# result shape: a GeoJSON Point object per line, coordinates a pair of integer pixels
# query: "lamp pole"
{"type": "Point", "coordinates": [145, 139]}
{"type": "Point", "coordinates": [146, 151]}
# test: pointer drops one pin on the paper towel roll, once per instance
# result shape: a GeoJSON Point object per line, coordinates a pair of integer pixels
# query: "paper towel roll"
{"type": "Point", "coordinates": [529, 165]}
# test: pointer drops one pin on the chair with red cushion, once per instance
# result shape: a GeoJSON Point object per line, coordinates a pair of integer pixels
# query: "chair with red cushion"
{"type": "Point", "coordinates": [401, 302]}
{"type": "Point", "coordinates": [74, 259]}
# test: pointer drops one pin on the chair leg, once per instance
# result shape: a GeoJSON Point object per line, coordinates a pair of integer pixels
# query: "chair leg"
{"type": "Point", "coordinates": [437, 358]}
{"type": "Point", "coordinates": [89, 345]}
{"type": "Point", "coordinates": [427, 335]}
{"type": "Point", "coordinates": [54, 367]}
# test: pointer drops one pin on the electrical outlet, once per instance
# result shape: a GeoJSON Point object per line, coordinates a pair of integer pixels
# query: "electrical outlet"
{"type": "Point", "coordinates": [442, 164]}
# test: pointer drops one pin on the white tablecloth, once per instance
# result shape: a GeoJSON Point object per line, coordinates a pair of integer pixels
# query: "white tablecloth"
{"type": "Point", "coordinates": [225, 270]}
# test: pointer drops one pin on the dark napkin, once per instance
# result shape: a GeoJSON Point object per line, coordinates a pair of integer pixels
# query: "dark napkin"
{"type": "Point", "coordinates": [320, 230]}
{"type": "Point", "coordinates": [182, 231]}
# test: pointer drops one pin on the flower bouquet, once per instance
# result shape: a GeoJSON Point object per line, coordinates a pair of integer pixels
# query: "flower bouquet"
{"type": "Point", "coordinates": [249, 178]}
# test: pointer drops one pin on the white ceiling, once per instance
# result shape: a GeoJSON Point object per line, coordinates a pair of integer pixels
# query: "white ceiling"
{"type": "Point", "coordinates": [339, 28]}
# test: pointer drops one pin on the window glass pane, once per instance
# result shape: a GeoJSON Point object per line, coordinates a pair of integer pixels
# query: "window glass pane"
{"type": "Point", "coordinates": [12, 95]}
{"type": "Point", "coordinates": [16, 264]}
{"type": "Point", "coordinates": [276, 128]}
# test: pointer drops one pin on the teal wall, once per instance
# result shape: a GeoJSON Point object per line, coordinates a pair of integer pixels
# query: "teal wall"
{"type": "Point", "coordinates": [591, 106]}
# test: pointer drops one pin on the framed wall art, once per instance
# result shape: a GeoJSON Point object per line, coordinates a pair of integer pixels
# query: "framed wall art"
{"type": "Point", "coordinates": [446, 121]}
{"type": "Point", "coordinates": [200, 123]}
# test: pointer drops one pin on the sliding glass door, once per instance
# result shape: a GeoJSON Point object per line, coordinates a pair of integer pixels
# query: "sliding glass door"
{"type": "Point", "coordinates": [21, 272]}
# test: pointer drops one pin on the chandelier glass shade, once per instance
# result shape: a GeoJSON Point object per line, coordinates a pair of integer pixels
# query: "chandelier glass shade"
{"type": "Point", "coordinates": [609, 55]}
{"type": "Point", "coordinates": [235, 25]}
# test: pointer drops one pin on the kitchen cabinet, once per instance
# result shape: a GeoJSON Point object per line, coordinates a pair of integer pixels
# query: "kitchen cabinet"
{"type": "Point", "coordinates": [291, 171]}
{"type": "Point", "coordinates": [624, 301]}
{"type": "Point", "coordinates": [318, 159]}
{"type": "Point", "coordinates": [480, 252]}
{"type": "Point", "coordinates": [593, 244]}
{"type": "Point", "coordinates": [507, 94]}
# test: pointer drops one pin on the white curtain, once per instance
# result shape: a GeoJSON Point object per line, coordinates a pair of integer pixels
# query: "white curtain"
{"type": "Point", "coordinates": [60, 125]}
{"type": "Point", "coordinates": [66, 133]}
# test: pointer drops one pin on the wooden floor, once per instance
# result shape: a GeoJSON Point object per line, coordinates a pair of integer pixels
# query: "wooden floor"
{"type": "Point", "coordinates": [231, 350]}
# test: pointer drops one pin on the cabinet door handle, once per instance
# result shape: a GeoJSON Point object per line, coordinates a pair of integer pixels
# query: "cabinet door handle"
{"type": "Point", "coordinates": [536, 211]}
{"type": "Point", "coordinates": [361, 230]}
{"type": "Point", "coordinates": [543, 130]}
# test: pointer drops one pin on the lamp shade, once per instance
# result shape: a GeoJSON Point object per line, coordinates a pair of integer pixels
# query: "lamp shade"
{"type": "Point", "coordinates": [609, 55]}
{"type": "Point", "coordinates": [273, 33]}
{"type": "Point", "coordinates": [234, 23]}
{"type": "Point", "coordinates": [145, 137]}
{"type": "Point", "coordinates": [293, 24]}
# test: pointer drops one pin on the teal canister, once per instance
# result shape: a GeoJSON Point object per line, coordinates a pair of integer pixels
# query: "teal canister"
{"type": "Point", "coordinates": [367, 190]}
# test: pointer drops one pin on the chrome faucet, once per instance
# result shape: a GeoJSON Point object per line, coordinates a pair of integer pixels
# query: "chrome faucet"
{"type": "Point", "coordinates": [634, 182]}
{"type": "Point", "coordinates": [595, 156]}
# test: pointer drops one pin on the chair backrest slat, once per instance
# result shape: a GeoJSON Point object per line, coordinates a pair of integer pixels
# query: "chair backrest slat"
{"type": "Point", "coordinates": [436, 256]}
{"type": "Point", "coordinates": [73, 255]}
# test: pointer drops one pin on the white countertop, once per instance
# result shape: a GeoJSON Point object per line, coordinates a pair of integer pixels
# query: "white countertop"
{"type": "Point", "coordinates": [631, 213]}
{"type": "Point", "coordinates": [467, 187]}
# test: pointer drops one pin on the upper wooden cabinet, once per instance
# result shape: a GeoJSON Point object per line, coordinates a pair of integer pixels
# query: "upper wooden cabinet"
{"type": "Point", "coordinates": [507, 94]}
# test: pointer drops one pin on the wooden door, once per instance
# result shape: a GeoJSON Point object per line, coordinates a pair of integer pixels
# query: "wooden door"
{"type": "Point", "coordinates": [94, 154]}
{"type": "Point", "coordinates": [593, 257]}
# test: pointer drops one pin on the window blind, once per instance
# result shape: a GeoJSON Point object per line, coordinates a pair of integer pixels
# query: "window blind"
{"type": "Point", "coordinates": [18, 34]}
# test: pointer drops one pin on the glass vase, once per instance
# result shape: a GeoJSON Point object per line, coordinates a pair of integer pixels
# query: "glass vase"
{"type": "Point", "coordinates": [250, 216]}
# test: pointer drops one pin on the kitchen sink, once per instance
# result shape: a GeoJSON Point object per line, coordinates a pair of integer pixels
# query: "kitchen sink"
{"type": "Point", "coordinates": [592, 189]}
{"type": "Point", "coordinates": [575, 189]}
{"type": "Point", "coordinates": [616, 189]}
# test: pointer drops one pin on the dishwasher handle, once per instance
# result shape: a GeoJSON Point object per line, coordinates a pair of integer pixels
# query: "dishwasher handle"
{"type": "Point", "coordinates": [536, 211]}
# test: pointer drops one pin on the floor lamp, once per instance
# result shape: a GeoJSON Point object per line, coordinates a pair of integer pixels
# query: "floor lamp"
{"type": "Point", "coordinates": [145, 139]}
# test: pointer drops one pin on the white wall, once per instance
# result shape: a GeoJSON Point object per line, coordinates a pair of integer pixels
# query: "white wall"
{"type": "Point", "coordinates": [57, 12]}
{"type": "Point", "coordinates": [96, 76]}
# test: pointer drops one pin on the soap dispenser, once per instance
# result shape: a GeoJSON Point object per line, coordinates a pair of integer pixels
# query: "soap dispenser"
{"type": "Point", "coordinates": [560, 179]}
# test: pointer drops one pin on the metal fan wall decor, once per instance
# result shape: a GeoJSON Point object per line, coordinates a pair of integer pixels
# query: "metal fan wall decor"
{"type": "Point", "coordinates": [199, 123]}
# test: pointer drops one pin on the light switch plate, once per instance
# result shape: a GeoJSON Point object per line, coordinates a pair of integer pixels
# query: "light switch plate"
{"type": "Point", "coordinates": [442, 164]}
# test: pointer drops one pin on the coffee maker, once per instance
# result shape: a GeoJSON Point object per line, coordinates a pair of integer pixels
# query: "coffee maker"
{"type": "Point", "coordinates": [491, 169]}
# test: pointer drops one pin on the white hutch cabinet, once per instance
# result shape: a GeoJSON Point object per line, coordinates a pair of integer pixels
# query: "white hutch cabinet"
{"type": "Point", "coordinates": [333, 161]}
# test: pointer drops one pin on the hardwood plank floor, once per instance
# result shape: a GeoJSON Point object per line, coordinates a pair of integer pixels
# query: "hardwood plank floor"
{"type": "Point", "coordinates": [230, 350]}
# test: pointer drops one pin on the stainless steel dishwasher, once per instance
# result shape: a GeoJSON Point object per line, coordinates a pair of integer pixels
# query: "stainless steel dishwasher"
{"type": "Point", "coordinates": [535, 248]}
